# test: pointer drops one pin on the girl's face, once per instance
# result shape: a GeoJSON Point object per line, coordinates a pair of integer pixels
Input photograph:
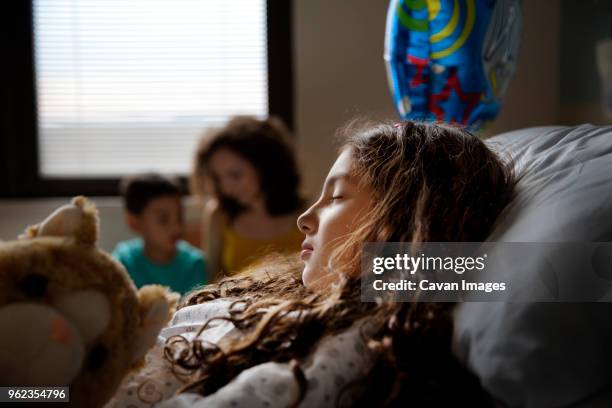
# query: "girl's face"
{"type": "Point", "coordinates": [235, 177]}
{"type": "Point", "coordinates": [335, 214]}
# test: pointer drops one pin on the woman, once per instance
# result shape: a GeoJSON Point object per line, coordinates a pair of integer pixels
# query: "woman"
{"type": "Point", "coordinates": [251, 168]}
{"type": "Point", "coordinates": [292, 335]}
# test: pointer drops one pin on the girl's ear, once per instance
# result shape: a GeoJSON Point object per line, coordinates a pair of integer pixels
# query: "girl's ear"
{"type": "Point", "coordinates": [77, 220]}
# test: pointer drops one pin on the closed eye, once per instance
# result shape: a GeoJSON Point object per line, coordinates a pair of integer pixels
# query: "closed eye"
{"type": "Point", "coordinates": [336, 198]}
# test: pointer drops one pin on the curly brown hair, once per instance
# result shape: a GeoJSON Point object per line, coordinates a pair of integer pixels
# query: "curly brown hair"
{"type": "Point", "coordinates": [431, 182]}
{"type": "Point", "coordinates": [267, 145]}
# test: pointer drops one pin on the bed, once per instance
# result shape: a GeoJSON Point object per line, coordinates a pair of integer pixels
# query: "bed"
{"type": "Point", "coordinates": [548, 354]}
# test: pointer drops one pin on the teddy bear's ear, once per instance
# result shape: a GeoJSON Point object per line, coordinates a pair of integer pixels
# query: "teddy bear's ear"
{"type": "Point", "coordinates": [156, 306]}
{"type": "Point", "coordinates": [78, 220]}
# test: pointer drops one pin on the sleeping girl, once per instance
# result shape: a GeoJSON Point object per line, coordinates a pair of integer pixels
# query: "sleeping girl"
{"type": "Point", "coordinates": [296, 333]}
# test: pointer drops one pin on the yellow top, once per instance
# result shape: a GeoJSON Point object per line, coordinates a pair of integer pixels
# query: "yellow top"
{"type": "Point", "coordinates": [240, 252]}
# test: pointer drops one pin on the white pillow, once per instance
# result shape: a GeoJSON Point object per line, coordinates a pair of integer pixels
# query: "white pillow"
{"type": "Point", "coordinates": [547, 354]}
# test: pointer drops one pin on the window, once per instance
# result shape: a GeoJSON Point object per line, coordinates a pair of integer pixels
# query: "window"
{"type": "Point", "coordinates": [121, 86]}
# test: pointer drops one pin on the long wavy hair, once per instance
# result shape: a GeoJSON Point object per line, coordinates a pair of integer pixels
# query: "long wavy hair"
{"type": "Point", "coordinates": [430, 182]}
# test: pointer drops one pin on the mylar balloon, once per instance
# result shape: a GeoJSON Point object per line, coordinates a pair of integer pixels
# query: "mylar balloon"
{"type": "Point", "coordinates": [451, 60]}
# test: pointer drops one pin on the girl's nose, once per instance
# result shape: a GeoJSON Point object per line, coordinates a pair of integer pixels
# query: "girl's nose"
{"type": "Point", "coordinates": [307, 221]}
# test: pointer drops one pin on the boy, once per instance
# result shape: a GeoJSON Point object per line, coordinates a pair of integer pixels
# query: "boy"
{"type": "Point", "coordinates": [154, 211]}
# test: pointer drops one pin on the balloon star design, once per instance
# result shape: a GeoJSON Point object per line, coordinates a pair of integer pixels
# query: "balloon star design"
{"type": "Point", "coordinates": [456, 97]}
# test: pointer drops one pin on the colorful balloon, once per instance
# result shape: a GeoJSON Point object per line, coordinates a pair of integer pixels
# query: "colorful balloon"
{"type": "Point", "coordinates": [451, 60]}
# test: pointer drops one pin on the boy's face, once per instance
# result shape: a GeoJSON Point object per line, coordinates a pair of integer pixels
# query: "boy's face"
{"type": "Point", "coordinates": [161, 222]}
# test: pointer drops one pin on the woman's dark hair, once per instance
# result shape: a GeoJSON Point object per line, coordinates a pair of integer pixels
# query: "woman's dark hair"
{"type": "Point", "coordinates": [267, 145]}
{"type": "Point", "coordinates": [430, 183]}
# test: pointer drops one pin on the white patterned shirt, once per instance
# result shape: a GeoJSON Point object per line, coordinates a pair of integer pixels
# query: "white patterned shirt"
{"type": "Point", "coordinates": [337, 361]}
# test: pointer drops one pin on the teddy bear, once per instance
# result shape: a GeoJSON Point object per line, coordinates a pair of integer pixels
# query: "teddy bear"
{"type": "Point", "coordinates": [69, 313]}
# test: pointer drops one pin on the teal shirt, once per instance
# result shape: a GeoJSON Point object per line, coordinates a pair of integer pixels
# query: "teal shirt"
{"type": "Point", "coordinates": [186, 271]}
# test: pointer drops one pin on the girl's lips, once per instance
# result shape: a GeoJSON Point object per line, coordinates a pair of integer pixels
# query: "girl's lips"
{"type": "Point", "coordinates": [305, 254]}
{"type": "Point", "coordinates": [306, 251]}
{"type": "Point", "coordinates": [306, 245]}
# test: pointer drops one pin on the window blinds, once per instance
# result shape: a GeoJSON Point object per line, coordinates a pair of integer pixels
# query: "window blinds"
{"type": "Point", "coordinates": [129, 85]}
